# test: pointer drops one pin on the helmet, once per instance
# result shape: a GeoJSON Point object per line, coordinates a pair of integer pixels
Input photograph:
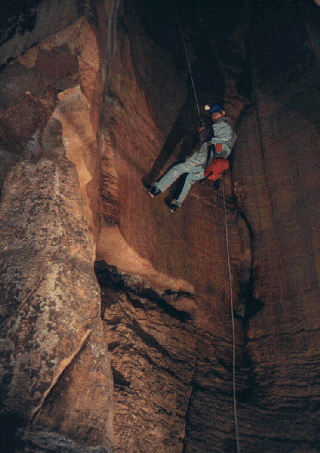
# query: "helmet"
{"type": "Point", "coordinates": [214, 108]}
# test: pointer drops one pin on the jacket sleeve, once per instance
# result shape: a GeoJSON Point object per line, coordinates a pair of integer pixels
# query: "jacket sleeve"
{"type": "Point", "coordinates": [224, 134]}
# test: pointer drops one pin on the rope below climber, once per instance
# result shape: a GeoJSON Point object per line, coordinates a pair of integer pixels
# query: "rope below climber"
{"type": "Point", "coordinates": [208, 162]}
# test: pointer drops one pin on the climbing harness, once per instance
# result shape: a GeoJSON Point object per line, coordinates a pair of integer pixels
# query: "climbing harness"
{"type": "Point", "coordinates": [228, 256]}
{"type": "Point", "coordinates": [232, 320]}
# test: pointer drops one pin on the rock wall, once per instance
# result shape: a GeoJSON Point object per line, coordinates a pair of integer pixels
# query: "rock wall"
{"type": "Point", "coordinates": [181, 262]}
{"type": "Point", "coordinates": [116, 327]}
{"type": "Point", "coordinates": [55, 362]}
{"type": "Point", "coordinates": [276, 167]}
{"type": "Point", "coordinates": [50, 315]}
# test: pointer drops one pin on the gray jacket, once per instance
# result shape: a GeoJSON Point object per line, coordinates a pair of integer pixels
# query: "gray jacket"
{"type": "Point", "coordinates": [224, 134]}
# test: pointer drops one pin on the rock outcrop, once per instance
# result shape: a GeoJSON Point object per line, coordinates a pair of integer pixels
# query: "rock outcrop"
{"type": "Point", "coordinates": [55, 361]}
{"type": "Point", "coordinates": [50, 314]}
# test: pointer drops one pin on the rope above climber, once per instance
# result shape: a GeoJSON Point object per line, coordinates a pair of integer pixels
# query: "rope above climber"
{"type": "Point", "coordinates": [208, 162]}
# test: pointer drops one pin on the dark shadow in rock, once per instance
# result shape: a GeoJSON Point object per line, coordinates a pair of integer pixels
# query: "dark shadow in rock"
{"type": "Point", "coordinates": [184, 129]}
{"type": "Point", "coordinates": [135, 302]}
{"type": "Point", "coordinates": [10, 424]}
{"type": "Point", "coordinates": [119, 380]}
{"type": "Point", "coordinates": [248, 306]}
{"type": "Point", "coordinates": [180, 315]}
{"type": "Point", "coordinates": [108, 277]}
{"type": "Point", "coordinates": [17, 16]}
{"type": "Point", "coordinates": [251, 388]}
{"type": "Point", "coordinates": [49, 441]}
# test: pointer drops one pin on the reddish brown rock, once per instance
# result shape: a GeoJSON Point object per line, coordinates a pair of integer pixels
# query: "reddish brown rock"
{"type": "Point", "coordinates": [61, 360]}
{"type": "Point", "coordinates": [22, 126]}
{"type": "Point", "coordinates": [276, 171]}
{"type": "Point", "coordinates": [152, 346]}
{"type": "Point", "coordinates": [166, 300]}
{"type": "Point", "coordinates": [185, 252]}
{"type": "Point", "coordinates": [50, 305]}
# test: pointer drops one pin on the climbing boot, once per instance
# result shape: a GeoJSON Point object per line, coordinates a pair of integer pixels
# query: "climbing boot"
{"type": "Point", "coordinates": [153, 192]}
{"type": "Point", "coordinates": [145, 184]}
{"type": "Point", "coordinates": [173, 207]}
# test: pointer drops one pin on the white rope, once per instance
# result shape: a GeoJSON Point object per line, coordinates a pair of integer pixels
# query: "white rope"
{"type": "Point", "coordinates": [233, 329]}
{"type": "Point", "coordinates": [228, 255]}
{"type": "Point", "coordinates": [185, 50]}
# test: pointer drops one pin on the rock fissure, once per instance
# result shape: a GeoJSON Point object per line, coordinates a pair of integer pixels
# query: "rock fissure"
{"type": "Point", "coordinates": [286, 334]}
{"type": "Point", "coordinates": [61, 368]}
{"type": "Point", "coordinates": [109, 277]}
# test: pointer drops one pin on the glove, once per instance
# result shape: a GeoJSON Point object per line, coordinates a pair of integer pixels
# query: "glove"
{"type": "Point", "coordinates": [201, 119]}
{"type": "Point", "coordinates": [219, 152]}
{"type": "Point", "coordinates": [205, 134]}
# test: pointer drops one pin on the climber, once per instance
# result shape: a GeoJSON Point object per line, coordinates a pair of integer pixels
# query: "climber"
{"type": "Point", "coordinates": [208, 162]}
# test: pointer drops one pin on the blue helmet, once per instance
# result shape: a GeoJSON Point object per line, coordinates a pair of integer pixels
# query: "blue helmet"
{"type": "Point", "coordinates": [214, 108]}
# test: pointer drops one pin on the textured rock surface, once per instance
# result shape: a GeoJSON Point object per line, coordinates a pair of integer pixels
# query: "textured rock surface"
{"type": "Point", "coordinates": [60, 77]}
{"type": "Point", "coordinates": [186, 252]}
{"type": "Point", "coordinates": [274, 213]}
{"type": "Point", "coordinates": [55, 361]}
{"type": "Point", "coordinates": [50, 303]}
{"type": "Point", "coordinates": [276, 167]}
{"type": "Point", "coordinates": [26, 24]}
{"type": "Point", "coordinates": [122, 109]}
{"type": "Point", "coordinates": [152, 344]}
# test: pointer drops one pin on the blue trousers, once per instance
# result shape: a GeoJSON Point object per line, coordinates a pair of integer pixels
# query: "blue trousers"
{"type": "Point", "coordinates": [194, 166]}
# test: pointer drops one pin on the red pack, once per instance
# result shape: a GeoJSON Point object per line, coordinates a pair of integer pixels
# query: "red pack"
{"type": "Point", "coordinates": [215, 169]}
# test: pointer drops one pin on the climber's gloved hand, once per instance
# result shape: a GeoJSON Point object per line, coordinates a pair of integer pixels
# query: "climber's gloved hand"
{"type": "Point", "coordinates": [219, 152]}
{"type": "Point", "coordinates": [205, 134]}
{"type": "Point", "coordinates": [203, 121]}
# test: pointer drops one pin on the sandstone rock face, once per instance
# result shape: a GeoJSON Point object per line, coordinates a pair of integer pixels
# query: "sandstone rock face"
{"type": "Point", "coordinates": [186, 255]}
{"type": "Point", "coordinates": [268, 162]}
{"type": "Point", "coordinates": [167, 296]}
{"type": "Point", "coordinates": [276, 166]}
{"type": "Point", "coordinates": [116, 328]}
{"type": "Point", "coordinates": [61, 78]}
{"type": "Point", "coordinates": [55, 361]}
{"type": "Point", "coordinates": [50, 305]}
{"type": "Point", "coordinates": [152, 344]}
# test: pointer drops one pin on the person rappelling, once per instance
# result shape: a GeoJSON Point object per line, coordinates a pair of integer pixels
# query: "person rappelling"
{"type": "Point", "coordinates": [208, 162]}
